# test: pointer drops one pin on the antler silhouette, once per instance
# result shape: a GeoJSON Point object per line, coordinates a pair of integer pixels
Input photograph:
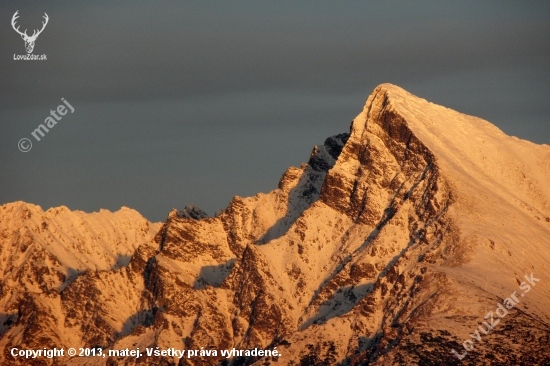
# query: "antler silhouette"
{"type": "Point", "coordinates": [29, 41]}
{"type": "Point", "coordinates": [43, 26]}
{"type": "Point", "coordinates": [15, 16]}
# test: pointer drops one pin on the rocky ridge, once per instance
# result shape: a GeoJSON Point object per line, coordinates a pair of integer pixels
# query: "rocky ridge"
{"type": "Point", "coordinates": [388, 247]}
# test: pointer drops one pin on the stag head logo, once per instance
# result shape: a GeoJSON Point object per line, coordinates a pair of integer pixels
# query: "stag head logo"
{"type": "Point", "coordinates": [29, 40]}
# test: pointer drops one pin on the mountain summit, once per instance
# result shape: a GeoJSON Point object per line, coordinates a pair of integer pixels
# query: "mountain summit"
{"type": "Point", "coordinates": [390, 246]}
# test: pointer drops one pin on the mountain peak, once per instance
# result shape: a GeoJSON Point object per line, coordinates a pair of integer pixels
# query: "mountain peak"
{"type": "Point", "coordinates": [463, 145]}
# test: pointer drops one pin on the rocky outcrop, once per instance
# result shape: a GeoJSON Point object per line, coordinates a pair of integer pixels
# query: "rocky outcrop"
{"type": "Point", "coordinates": [192, 212]}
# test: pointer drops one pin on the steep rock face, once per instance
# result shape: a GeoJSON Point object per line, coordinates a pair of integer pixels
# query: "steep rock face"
{"type": "Point", "coordinates": [261, 306]}
{"type": "Point", "coordinates": [388, 247]}
{"type": "Point", "coordinates": [426, 249]}
{"type": "Point", "coordinates": [388, 186]}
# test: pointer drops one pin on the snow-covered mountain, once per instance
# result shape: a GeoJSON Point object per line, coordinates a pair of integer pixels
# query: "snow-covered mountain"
{"type": "Point", "coordinates": [44, 252]}
{"type": "Point", "coordinates": [390, 246]}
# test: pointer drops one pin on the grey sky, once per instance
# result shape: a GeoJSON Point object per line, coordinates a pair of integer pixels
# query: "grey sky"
{"type": "Point", "coordinates": [195, 102]}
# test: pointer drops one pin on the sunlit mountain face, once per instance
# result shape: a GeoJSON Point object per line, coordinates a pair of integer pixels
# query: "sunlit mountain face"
{"type": "Point", "coordinates": [419, 236]}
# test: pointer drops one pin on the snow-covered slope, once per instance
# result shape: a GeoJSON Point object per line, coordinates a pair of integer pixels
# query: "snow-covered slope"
{"type": "Point", "coordinates": [388, 247]}
{"type": "Point", "coordinates": [43, 252]}
{"type": "Point", "coordinates": [448, 214]}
